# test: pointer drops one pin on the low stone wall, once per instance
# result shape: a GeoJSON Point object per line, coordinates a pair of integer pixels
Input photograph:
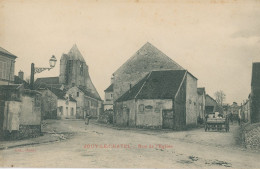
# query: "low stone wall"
{"type": "Point", "coordinates": [25, 131]}
{"type": "Point", "coordinates": [250, 136]}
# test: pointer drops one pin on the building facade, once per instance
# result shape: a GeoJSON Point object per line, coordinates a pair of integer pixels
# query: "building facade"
{"type": "Point", "coordinates": [148, 58]}
{"type": "Point", "coordinates": [87, 103]}
{"type": "Point", "coordinates": [201, 103]}
{"type": "Point", "coordinates": [109, 99]}
{"type": "Point", "coordinates": [20, 111]}
{"type": "Point", "coordinates": [210, 105]}
{"type": "Point", "coordinates": [255, 93]}
{"type": "Point", "coordinates": [7, 65]}
{"type": "Point", "coordinates": [74, 78]}
{"type": "Point", "coordinates": [57, 105]}
{"type": "Point", "coordinates": [162, 99]}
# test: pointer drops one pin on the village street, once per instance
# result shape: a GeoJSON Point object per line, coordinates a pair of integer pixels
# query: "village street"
{"type": "Point", "coordinates": [99, 146]}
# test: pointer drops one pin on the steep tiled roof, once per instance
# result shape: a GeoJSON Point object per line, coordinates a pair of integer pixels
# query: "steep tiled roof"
{"type": "Point", "coordinates": [201, 90]}
{"type": "Point", "coordinates": [156, 85]}
{"type": "Point", "coordinates": [10, 87]}
{"type": "Point", "coordinates": [88, 93]}
{"type": "Point", "coordinates": [110, 88]}
{"type": "Point", "coordinates": [74, 54]}
{"type": "Point", "coordinates": [256, 74]}
{"type": "Point", "coordinates": [47, 80]}
{"type": "Point", "coordinates": [3, 51]}
{"type": "Point", "coordinates": [60, 94]}
{"type": "Point", "coordinates": [149, 57]}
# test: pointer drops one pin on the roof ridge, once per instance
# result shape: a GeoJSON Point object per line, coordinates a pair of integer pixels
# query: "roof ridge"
{"type": "Point", "coordinates": [181, 83]}
{"type": "Point", "coordinates": [143, 85]}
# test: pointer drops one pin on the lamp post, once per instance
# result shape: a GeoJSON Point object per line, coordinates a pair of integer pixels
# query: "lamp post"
{"type": "Point", "coordinates": [35, 70]}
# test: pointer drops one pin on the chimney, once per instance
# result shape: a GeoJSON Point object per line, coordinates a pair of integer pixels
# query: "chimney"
{"type": "Point", "coordinates": [21, 74]}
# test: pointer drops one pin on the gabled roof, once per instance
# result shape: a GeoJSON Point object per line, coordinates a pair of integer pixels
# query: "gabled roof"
{"type": "Point", "coordinates": [5, 52]}
{"type": "Point", "coordinates": [74, 54]}
{"type": "Point", "coordinates": [88, 93]}
{"type": "Point", "coordinates": [201, 90]}
{"type": "Point", "coordinates": [110, 88]}
{"type": "Point", "coordinates": [148, 55]}
{"type": "Point", "coordinates": [10, 87]}
{"type": "Point", "coordinates": [47, 80]}
{"type": "Point", "coordinates": [60, 94]}
{"type": "Point", "coordinates": [17, 80]}
{"type": "Point", "coordinates": [156, 85]}
{"type": "Point", "coordinates": [256, 74]}
{"type": "Point", "coordinates": [208, 96]}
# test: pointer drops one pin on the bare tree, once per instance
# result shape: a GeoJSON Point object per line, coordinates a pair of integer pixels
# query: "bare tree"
{"type": "Point", "coordinates": [220, 97]}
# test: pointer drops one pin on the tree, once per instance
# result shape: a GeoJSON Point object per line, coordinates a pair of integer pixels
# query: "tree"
{"type": "Point", "coordinates": [220, 97]}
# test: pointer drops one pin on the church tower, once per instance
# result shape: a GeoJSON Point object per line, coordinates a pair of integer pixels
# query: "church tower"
{"type": "Point", "coordinates": [74, 71]}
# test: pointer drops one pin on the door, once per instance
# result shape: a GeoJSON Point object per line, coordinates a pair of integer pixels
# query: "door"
{"type": "Point", "coordinates": [168, 119]}
{"type": "Point", "coordinates": [126, 116]}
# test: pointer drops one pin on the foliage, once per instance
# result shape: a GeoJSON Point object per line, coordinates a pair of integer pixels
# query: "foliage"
{"type": "Point", "coordinates": [220, 97]}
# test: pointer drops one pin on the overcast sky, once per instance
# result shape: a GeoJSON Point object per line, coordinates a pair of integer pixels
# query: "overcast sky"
{"type": "Point", "coordinates": [216, 42]}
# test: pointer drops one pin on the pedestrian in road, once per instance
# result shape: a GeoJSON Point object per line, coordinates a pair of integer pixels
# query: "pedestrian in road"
{"type": "Point", "coordinates": [87, 119]}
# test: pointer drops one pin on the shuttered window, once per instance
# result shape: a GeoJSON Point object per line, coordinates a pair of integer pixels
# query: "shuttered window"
{"type": "Point", "coordinates": [3, 70]}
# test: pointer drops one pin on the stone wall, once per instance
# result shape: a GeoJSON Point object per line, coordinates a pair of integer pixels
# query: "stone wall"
{"type": "Point", "coordinates": [191, 100]}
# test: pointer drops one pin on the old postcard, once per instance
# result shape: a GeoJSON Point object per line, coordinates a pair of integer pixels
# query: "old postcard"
{"type": "Point", "coordinates": [130, 84]}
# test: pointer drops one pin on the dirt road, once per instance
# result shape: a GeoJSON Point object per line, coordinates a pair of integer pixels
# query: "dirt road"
{"type": "Point", "coordinates": [98, 146]}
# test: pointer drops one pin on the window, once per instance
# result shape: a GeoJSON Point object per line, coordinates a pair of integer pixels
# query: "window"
{"type": "Point", "coordinates": [3, 70]}
{"type": "Point", "coordinates": [70, 66]}
{"type": "Point", "coordinates": [61, 110]}
{"type": "Point", "coordinates": [141, 108]}
{"type": "Point", "coordinates": [77, 94]}
{"type": "Point", "coordinates": [71, 111]}
{"type": "Point", "coordinates": [81, 68]}
{"type": "Point", "coordinates": [111, 95]}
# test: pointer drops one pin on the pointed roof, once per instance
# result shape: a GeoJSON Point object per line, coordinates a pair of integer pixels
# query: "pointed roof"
{"type": "Point", "coordinates": [156, 85]}
{"type": "Point", "coordinates": [110, 88]}
{"type": "Point", "coordinates": [89, 93]}
{"type": "Point", "coordinates": [5, 52]}
{"type": "Point", "coordinates": [74, 54]}
{"type": "Point", "coordinates": [149, 55]}
{"type": "Point", "coordinates": [60, 94]}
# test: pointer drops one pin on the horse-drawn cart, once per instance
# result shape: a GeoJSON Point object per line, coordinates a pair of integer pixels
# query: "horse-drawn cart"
{"type": "Point", "coordinates": [217, 124]}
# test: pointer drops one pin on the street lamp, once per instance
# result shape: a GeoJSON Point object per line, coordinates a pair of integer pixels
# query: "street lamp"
{"type": "Point", "coordinates": [35, 70]}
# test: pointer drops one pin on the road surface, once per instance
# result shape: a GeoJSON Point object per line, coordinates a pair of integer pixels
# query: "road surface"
{"type": "Point", "coordinates": [98, 146]}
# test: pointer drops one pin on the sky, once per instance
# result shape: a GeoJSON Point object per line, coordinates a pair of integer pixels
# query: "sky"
{"type": "Point", "coordinates": [216, 41]}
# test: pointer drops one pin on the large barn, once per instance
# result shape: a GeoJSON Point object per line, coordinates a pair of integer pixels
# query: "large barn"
{"type": "Point", "coordinates": [162, 99]}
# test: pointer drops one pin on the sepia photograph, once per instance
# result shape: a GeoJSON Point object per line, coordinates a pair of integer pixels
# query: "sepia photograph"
{"type": "Point", "coordinates": [130, 84]}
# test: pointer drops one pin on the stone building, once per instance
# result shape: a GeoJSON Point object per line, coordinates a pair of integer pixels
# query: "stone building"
{"type": "Point", "coordinates": [20, 112]}
{"type": "Point", "coordinates": [162, 99]}
{"type": "Point", "coordinates": [87, 102]}
{"type": "Point", "coordinates": [108, 103]}
{"type": "Point", "coordinates": [57, 105]}
{"type": "Point", "coordinates": [255, 93]}
{"type": "Point", "coordinates": [201, 102]}
{"type": "Point", "coordinates": [245, 111]}
{"type": "Point", "coordinates": [74, 78]}
{"type": "Point", "coordinates": [148, 58]}
{"type": "Point", "coordinates": [210, 105]}
{"type": "Point", "coordinates": [7, 65]}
